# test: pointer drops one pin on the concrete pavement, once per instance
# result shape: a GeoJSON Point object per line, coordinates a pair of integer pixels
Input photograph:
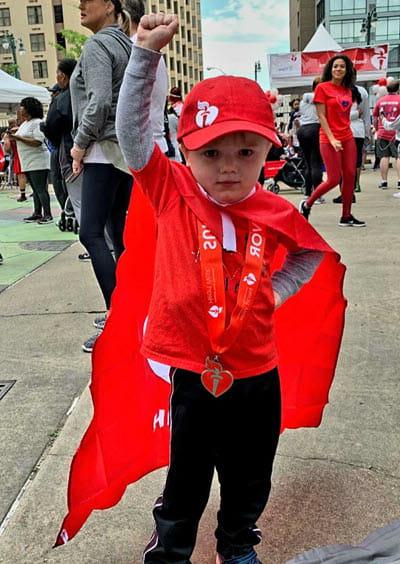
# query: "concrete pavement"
{"type": "Point", "coordinates": [331, 485]}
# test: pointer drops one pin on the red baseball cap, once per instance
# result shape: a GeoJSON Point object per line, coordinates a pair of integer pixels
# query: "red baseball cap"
{"type": "Point", "coordinates": [225, 104]}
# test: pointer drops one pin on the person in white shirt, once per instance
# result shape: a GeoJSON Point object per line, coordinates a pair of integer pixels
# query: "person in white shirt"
{"type": "Point", "coordinates": [360, 117]}
{"type": "Point", "coordinates": [136, 9]}
{"type": "Point", "coordinates": [34, 157]}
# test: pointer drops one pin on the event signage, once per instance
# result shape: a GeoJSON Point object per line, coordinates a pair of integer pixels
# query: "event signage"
{"type": "Point", "coordinates": [286, 65]}
{"type": "Point", "coordinates": [366, 59]}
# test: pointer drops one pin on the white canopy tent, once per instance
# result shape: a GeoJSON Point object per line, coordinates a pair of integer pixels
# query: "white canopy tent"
{"type": "Point", "coordinates": [285, 69]}
{"type": "Point", "coordinates": [12, 90]}
{"type": "Point", "coordinates": [322, 40]}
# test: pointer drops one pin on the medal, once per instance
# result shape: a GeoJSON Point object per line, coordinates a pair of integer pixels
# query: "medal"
{"type": "Point", "coordinates": [214, 377]}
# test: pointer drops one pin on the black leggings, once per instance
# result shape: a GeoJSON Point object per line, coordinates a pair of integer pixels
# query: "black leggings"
{"type": "Point", "coordinates": [105, 199]}
{"type": "Point", "coordinates": [237, 434]}
{"type": "Point", "coordinates": [308, 136]}
{"type": "Point", "coordinates": [38, 179]}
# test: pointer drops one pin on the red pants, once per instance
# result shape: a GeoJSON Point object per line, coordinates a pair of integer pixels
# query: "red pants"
{"type": "Point", "coordinates": [340, 165]}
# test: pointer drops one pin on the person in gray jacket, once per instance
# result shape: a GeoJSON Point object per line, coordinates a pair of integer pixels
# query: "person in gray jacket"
{"type": "Point", "coordinates": [106, 184]}
{"type": "Point", "coordinates": [308, 136]}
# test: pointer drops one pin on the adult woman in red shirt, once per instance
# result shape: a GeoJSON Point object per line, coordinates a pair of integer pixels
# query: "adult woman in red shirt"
{"type": "Point", "coordinates": [334, 97]}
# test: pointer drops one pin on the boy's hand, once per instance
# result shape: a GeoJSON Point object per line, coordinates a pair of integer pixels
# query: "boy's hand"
{"type": "Point", "coordinates": [155, 31]}
{"type": "Point", "coordinates": [278, 299]}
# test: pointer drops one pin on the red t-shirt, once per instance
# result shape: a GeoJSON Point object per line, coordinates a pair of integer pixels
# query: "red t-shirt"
{"type": "Point", "coordinates": [390, 104]}
{"type": "Point", "coordinates": [338, 102]}
{"type": "Point", "coordinates": [176, 332]}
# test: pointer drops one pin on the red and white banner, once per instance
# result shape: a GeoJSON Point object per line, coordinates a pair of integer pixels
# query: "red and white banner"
{"type": "Point", "coordinates": [364, 59]}
{"type": "Point", "coordinates": [296, 68]}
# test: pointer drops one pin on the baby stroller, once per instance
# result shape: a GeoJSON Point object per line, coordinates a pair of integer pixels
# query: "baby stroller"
{"type": "Point", "coordinates": [290, 170]}
{"type": "Point", "coordinates": [68, 221]}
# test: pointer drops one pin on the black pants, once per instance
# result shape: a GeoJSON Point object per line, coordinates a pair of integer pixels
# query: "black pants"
{"type": "Point", "coordinates": [308, 136]}
{"type": "Point", "coordinates": [38, 179]}
{"type": "Point", "coordinates": [60, 189]}
{"type": "Point", "coordinates": [238, 435]}
{"type": "Point", "coordinates": [105, 199]}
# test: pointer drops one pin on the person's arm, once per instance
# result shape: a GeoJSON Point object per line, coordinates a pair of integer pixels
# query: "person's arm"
{"type": "Point", "coordinates": [53, 125]}
{"type": "Point", "coordinates": [36, 137]}
{"type": "Point", "coordinates": [27, 140]}
{"type": "Point", "coordinates": [375, 116]}
{"type": "Point", "coordinates": [321, 112]}
{"type": "Point", "coordinates": [366, 115]}
{"type": "Point", "coordinates": [7, 144]}
{"type": "Point", "coordinates": [391, 125]}
{"type": "Point", "coordinates": [297, 270]}
{"type": "Point", "coordinates": [133, 125]}
{"type": "Point", "coordinates": [134, 130]}
{"type": "Point", "coordinates": [354, 112]}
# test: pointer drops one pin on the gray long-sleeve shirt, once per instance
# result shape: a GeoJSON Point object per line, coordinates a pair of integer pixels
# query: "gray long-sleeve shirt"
{"type": "Point", "coordinates": [95, 85]}
{"type": "Point", "coordinates": [137, 145]}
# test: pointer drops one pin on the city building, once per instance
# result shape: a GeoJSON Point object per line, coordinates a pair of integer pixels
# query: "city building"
{"type": "Point", "coordinates": [31, 29]}
{"type": "Point", "coordinates": [344, 20]}
{"type": "Point", "coordinates": [302, 23]}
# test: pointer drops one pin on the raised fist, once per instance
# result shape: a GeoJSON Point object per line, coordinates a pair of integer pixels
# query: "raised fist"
{"type": "Point", "coordinates": [155, 31]}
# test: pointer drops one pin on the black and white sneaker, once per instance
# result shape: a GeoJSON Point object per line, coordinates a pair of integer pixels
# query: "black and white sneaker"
{"type": "Point", "coordinates": [383, 185]}
{"type": "Point", "coordinates": [89, 343]}
{"type": "Point", "coordinates": [99, 321]}
{"type": "Point", "coordinates": [84, 256]}
{"type": "Point", "coordinates": [46, 219]}
{"type": "Point", "coordinates": [304, 210]}
{"type": "Point", "coordinates": [34, 218]}
{"type": "Point", "coordinates": [351, 222]}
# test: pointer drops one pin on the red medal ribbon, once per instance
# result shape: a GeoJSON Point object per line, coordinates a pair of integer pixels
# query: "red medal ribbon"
{"type": "Point", "coordinates": [212, 274]}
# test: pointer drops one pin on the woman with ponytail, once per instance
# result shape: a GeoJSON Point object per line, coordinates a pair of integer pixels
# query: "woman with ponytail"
{"type": "Point", "coordinates": [334, 97]}
{"type": "Point", "coordinates": [106, 184]}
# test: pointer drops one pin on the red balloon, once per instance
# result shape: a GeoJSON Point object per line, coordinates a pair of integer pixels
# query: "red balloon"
{"type": "Point", "coordinates": [382, 82]}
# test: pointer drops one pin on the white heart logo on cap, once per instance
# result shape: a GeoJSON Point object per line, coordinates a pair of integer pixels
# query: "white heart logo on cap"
{"type": "Point", "coordinates": [206, 115]}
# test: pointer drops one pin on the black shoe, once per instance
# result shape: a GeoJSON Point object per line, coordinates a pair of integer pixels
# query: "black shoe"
{"type": "Point", "coordinates": [1, 259]}
{"type": "Point", "coordinates": [33, 218]}
{"type": "Point", "coordinates": [84, 256]}
{"type": "Point", "coordinates": [22, 198]}
{"type": "Point", "coordinates": [338, 200]}
{"type": "Point", "coordinates": [304, 210]}
{"type": "Point", "coordinates": [45, 219]}
{"type": "Point", "coordinates": [351, 222]}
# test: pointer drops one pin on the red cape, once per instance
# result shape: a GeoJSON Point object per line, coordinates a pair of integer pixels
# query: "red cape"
{"type": "Point", "coordinates": [128, 436]}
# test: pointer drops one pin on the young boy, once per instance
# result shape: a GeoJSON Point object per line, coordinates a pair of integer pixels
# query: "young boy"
{"type": "Point", "coordinates": [212, 309]}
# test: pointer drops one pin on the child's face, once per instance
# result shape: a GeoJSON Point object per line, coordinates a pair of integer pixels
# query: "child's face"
{"type": "Point", "coordinates": [228, 167]}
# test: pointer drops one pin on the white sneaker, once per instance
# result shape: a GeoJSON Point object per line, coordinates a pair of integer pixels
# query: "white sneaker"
{"type": "Point", "coordinates": [396, 195]}
{"type": "Point", "coordinates": [320, 200]}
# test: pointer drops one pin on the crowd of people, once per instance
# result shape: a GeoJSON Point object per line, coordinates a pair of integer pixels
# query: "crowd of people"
{"type": "Point", "coordinates": [75, 146]}
{"type": "Point", "coordinates": [332, 127]}
{"type": "Point", "coordinates": [198, 161]}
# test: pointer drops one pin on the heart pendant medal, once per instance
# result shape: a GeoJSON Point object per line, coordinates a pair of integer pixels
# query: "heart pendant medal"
{"type": "Point", "coordinates": [215, 378]}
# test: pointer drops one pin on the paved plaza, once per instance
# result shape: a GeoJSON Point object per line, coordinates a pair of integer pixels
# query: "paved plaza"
{"type": "Point", "coordinates": [334, 484]}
